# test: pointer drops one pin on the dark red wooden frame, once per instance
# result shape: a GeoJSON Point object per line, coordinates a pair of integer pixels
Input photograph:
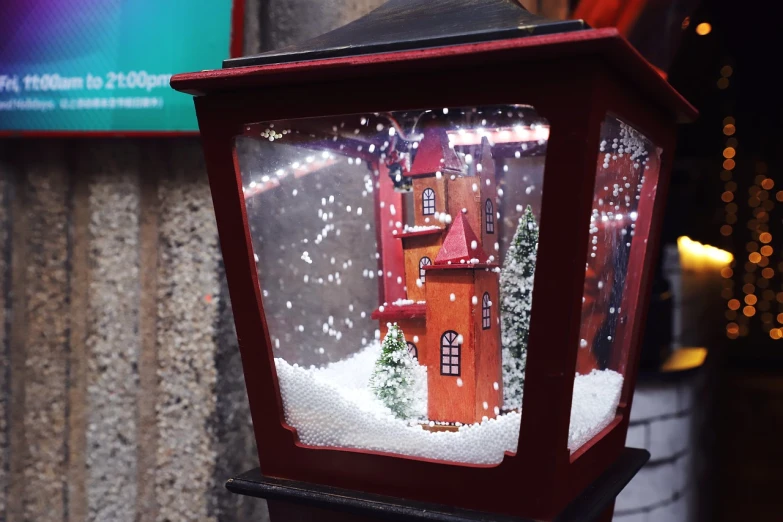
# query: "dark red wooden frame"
{"type": "Point", "coordinates": [573, 80]}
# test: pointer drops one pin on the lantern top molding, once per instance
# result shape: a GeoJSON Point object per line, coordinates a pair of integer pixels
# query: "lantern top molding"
{"type": "Point", "coordinates": [407, 35]}
{"type": "Point", "coordinates": [401, 25]}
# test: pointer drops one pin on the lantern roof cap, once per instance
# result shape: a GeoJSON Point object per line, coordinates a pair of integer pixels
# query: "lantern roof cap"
{"type": "Point", "coordinates": [401, 25]}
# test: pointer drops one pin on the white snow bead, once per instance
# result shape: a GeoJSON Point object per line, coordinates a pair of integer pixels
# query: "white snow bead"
{"type": "Point", "coordinates": [459, 382]}
{"type": "Point", "coordinates": [496, 386]}
{"type": "Point", "coordinates": [583, 343]}
{"type": "Point", "coordinates": [460, 339]}
{"type": "Point", "coordinates": [415, 338]}
{"type": "Point", "coordinates": [288, 304]}
{"type": "Point", "coordinates": [399, 279]}
{"type": "Point", "coordinates": [497, 410]}
{"type": "Point", "coordinates": [452, 297]}
{"type": "Point", "coordinates": [475, 187]}
{"type": "Point", "coordinates": [381, 308]}
{"type": "Point", "coordinates": [473, 245]}
{"type": "Point", "coordinates": [520, 208]}
{"type": "Point", "coordinates": [485, 405]}
{"type": "Point", "coordinates": [474, 300]}
{"type": "Point", "coordinates": [419, 282]}
{"type": "Point", "coordinates": [497, 245]}
{"type": "Point", "coordinates": [438, 175]}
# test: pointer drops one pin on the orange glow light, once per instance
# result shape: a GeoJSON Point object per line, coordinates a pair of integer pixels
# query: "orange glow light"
{"type": "Point", "coordinates": [729, 164]}
{"type": "Point", "coordinates": [703, 29]}
{"type": "Point", "coordinates": [729, 152]}
{"type": "Point", "coordinates": [765, 237]}
{"type": "Point", "coordinates": [729, 129]}
{"type": "Point", "coordinates": [768, 273]}
{"type": "Point", "coordinates": [726, 272]}
{"type": "Point", "coordinates": [766, 250]}
{"type": "Point", "coordinates": [755, 257]}
{"type": "Point", "coordinates": [734, 304]}
{"type": "Point", "coordinates": [727, 196]}
{"type": "Point", "coordinates": [768, 183]}
{"type": "Point", "coordinates": [776, 333]}
{"type": "Point", "coordinates": [748, 311]}
{"type": "Point", "coordinates": [751, 299]}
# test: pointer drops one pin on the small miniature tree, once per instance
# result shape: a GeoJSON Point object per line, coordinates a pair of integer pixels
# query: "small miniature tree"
{"type": "Point", "coordinates": [393, 380]}
{"type": "Point", "coordinates": [516, 297]}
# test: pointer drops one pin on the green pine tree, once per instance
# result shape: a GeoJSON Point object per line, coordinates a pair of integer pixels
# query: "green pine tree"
{"type": "Point", "coordinates": [516, 297]}
{"type": "Point", "coordinates": [393, 380]}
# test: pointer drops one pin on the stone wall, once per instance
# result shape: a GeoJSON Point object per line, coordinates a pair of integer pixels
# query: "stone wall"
{"type": "Point", "coordinates": [121, 391]}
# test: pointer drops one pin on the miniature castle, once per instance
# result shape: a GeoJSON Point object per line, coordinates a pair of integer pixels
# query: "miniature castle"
{"type": "Point", "coordinates": [451, 315]}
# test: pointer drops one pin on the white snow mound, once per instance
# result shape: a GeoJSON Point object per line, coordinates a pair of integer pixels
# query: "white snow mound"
{"type": "Point", "coordinates": [334, 406]}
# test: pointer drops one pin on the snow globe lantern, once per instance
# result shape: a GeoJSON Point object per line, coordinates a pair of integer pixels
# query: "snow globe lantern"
{"type": "Point", "coordinates": [437, 224]}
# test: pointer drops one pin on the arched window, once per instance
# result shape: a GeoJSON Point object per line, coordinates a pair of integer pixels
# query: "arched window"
{"type": "Point", "coordinates": [428, 202]}
{"type": "Point", "coordinates": [486, 312]}
{"type": "Point", "coordinates": [449, 353]}
{"type": "Point", "coordinates": [424, 261]}
{"type": "Point", "coordinates": [412, 350]}
{"type": "Point", "coordinates": [489, 215]}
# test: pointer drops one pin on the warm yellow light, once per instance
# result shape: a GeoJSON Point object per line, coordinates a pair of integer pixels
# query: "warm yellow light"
{"type": "Point", "coordinates": [754, 257]}
{"type": "Point", "coordinates": [693, 254]}
{"type": "Point", "coordinates": [766, 250]}
{"type": "Point", "coordinates": [703, 29]}
{"type": "Point", "coordinates": [765, 237]}
{"type": "Point", "coordinates": [732, 328]}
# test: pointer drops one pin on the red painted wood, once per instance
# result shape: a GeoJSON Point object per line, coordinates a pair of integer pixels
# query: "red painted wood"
{"type": "Point", "coordinates": [237, 28]}
{"type": "Point", "coordinates": [594, 73]}
{"type": "Point", "coordinates": [458, 244]}
{"type": "Point", "coordinates": [391, 262]}
{"type": "Point", "coordinates": [434, 154]}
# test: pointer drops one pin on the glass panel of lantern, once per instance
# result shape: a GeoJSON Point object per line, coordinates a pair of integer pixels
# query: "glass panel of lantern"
{"type": "Point", "coordinates": [396, 255]}
{"type": "Point", "coordinates": [625, 184]}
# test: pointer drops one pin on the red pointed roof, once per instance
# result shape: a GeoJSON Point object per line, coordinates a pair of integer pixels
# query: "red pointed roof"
{"type": "Point", "coordinates": [458, 244]}
{"type": "Point", "coordinates": [434, 154]}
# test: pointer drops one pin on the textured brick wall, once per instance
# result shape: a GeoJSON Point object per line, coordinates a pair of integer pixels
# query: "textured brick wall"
{"type": "Point", "coordinates": [121, 391]}
{"type": "Point", "coordinates": [664, 420]}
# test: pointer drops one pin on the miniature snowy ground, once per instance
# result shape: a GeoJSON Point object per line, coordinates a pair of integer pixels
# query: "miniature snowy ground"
{"type": "Point", "coordinates": [334, 407]}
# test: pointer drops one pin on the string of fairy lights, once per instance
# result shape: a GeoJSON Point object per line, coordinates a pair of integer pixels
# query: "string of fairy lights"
{"type": "Point", "coordinates": [758, 299]}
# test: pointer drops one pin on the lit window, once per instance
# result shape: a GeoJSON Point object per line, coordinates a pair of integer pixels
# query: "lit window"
{"type": "Point", "coordinates": [412, 350]}
{"type": "Point", "coordinates": [489, 214]}
{"type": "Point", "coordinates": [428, 201]}
{"type": "Point", "coordinates": [449, 353]}
{"type": "Point", "coordinates": [424, 261]}
{"type": "Point", "coordinates": [486, 312]}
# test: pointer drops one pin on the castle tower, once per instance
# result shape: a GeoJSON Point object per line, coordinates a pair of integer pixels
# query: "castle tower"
{"type": "Point", "coordinates": [462, 355]}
